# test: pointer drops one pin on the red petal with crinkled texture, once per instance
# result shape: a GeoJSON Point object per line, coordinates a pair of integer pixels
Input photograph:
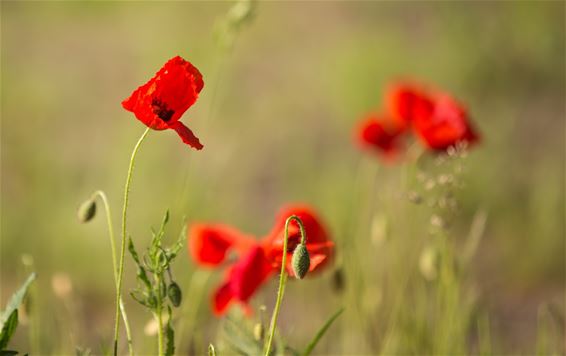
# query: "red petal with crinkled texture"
{"type": "Point", "coordinates": [243, 279]}
{"type": "Point", "coordinates": [187, 135]}
{"type": "Point", "coordinates": [319, 245]}
{"type": "Point", "coordinates": [446, 126]}
{"type": "Point", "coordinates": [209, 243]}
{"type": "Point", "coordinates": [162, 101]}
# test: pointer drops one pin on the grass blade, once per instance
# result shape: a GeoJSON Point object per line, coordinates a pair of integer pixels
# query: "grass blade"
{"type": "Point", "coordinates": [8, 329]}
{"type": "Point", "coordinates": [16, 300]}
{"type": "Point", "coordinates": [321, 332]}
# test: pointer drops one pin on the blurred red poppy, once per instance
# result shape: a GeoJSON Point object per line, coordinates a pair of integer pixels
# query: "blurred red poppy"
{"type": "Point", "coordinates": [319, 245]}
{"type": "Point", "coordinates": [242, 280]}
{"type": "Point", "coordinates": [161, 102]}
{"type": "Point", "coordinates": [257, 260]}
{"type": "Point", "coordinates": [446, 125]}
{"type": "Point", "coordinates": [210, 243]}
{"type": "Point", "coordinates": [405, 102]}
{"type": "Point", "coordinates": [380, 135]}
{"type": "Point", "coordinates": [437, 119]}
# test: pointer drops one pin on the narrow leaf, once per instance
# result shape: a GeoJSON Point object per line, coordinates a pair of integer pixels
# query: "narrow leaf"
{"type": "Point", "coordinates": [16, 300]}
{"type": "Point", "coordinates": [321, 332]}
{"type": "Point", "coordinates": [133, 251]}
{"type": "Point", "coordinates": [8, 329]}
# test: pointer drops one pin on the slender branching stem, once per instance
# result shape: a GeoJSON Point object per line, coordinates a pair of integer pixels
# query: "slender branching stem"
{"type": "Point", "coordinates": [104, 199]}
{"type": "Point", "coordinates": [283, 278]}
{"type": "Point", "coordinates": [123, 242]}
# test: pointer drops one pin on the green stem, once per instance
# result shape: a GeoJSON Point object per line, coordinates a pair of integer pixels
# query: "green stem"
{"type": "Point", "coordinates": [127, 327]}
{"type": "Point", "coordinates": [159, 332]}
{"type": "Point", "coordinates": [123, 244]}
{"type": "Point", "coordinates": [158, 316]}
{"type": "Point", "coordinates": [104, 199]}
{"type": "Point", "coordinates": [283, 278]}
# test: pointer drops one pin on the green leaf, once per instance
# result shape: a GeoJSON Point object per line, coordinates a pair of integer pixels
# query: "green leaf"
{"type": "Point", "coordinates": [8, 329]}
{"type": "Point", "coordinates": [174, 250]}
{"type": "Point", "coordinates": [133, 251]}
{"type": "Point", "coordinates": [142, 276]}
{"type": "Point", "coordinates": [8, 352]}
{"type": "Point", "coordinates": [15, 301]}
{"type": "Point", "coordinates": [170, 334]}
{"type": "Point", "coordinates": [321, 332]}
{"type": "Point", "coordinates": [142, 301]}
{"type": "Point", "coordinates": [157, 237]}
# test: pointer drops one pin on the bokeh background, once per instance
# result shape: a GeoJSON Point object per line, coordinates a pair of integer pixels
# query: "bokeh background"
{"type": "Point", "coordinates": [276, 117]}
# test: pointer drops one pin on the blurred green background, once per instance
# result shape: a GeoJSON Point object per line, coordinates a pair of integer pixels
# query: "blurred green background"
{"type": "Point", "coordinates": [276, 117]}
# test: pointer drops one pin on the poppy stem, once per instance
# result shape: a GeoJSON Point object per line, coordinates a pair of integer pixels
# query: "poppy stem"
{"type": "Point", "coordinates": [123, 243]}
{"type": "Point", "coordinates": [159, 315]}
{"type": "Point", "coordinates": [104, 199]}
{"type": "Point", "coordinates": [283, 278]}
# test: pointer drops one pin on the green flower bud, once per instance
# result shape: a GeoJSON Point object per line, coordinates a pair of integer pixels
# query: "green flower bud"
{"type": "Point", "coordinates": [174, 293]}
{"type": "Point", "coordinates": [87, 211]}
{"type": "Point", "coordinates": [301, 261]}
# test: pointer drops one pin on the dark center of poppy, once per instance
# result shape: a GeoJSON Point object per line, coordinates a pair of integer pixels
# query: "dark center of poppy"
{"type": "Point", "coordinates": [160, 109]}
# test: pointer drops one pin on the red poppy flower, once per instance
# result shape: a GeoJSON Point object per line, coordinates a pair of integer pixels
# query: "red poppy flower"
{"type": "Point", "coordinates": [257, 260]}
{"type": "Point", "coordinates": [243, 279]}
{"type": "Point", "coordinates": [380, 135]}
{"type": "Point", "coordinates": [210, 243]}
{"type": "Point", "coordinates": [162, 101]}
{"type": "Point", "coordinates": [447, 124]}
{"type": "Point", "coordinates": [405, 102]}
{"type": "Point", "coordinates": [319, 246]}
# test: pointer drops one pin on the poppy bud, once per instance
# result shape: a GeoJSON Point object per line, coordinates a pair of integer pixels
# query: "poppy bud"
{"type": "Point", "coordinates": [174, 293]}
{"type": "Point", "coordinates": [86, 211]}
{"type": "Point", "coordinates": [301, 261]}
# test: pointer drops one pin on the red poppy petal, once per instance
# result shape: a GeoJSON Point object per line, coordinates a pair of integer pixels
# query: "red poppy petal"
{"type": "Point", "coordinates": [249, 274]}
{"type": "Point", "coordinates": [314, 228]}
{"type": "Point", "coordinates": [379, 135]}
{"type": "Point", "coordinates": [209, 243]}
{"type": "Point", "coordinates": [162, 101]}
{"type": "Point", "coordinates": [318, 240]}
{"type": "Point", "coordinates": [406, 102]}
{"type": "Point", "coordinates": [186, 135]}
{"type": "Point", "coordinates": [222, 299]}
{"type": "Point", "coordinates": [448, 124]}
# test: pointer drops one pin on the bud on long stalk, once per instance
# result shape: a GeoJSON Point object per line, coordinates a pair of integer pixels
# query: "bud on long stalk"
{"type": "Point", "coordinates": [301, 261]}
{"type": "Point", "coordinates": [87, 211]}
